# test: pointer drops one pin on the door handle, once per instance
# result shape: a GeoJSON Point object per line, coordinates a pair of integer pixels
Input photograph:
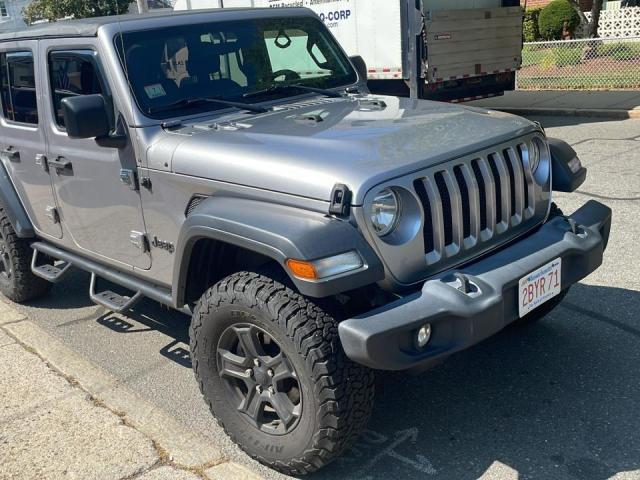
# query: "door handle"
{"type": "Point", "coordinates": [11, 154]}
{"type": "Point", "coordinates": [60, 163]}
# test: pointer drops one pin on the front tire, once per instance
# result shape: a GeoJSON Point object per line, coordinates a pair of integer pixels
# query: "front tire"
{"type": "Point", "coordinates": [270, 365]}
{"type": "Point", "coordinates": [17, 282]}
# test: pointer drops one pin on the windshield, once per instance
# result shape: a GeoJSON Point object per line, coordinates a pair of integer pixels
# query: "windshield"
{"type": "Point", "coordinates": [238, 60]}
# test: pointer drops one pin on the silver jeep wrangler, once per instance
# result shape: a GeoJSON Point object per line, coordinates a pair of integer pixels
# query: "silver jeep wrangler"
{"type": "Point", "coordinates": [232, 165]}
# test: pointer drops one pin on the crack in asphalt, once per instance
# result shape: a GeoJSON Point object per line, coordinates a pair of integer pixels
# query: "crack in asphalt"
{"type": "Point", "coordinates": [604, 197]}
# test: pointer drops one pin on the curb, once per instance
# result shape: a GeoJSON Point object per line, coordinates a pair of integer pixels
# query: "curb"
{"type": "Point", "coordinates": [572, 112]}
{"type": "Point", "coordinates": [183, 448]}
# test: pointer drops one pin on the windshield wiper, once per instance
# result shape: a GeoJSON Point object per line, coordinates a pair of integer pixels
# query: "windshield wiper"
{"type": "Point", "coordinates": [294, 86]}
{"type": "Point", "coordinates": [188, 102]}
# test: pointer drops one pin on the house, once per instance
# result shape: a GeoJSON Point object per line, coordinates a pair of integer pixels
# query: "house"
{"type": "Point", "coordinates": [11, 14]}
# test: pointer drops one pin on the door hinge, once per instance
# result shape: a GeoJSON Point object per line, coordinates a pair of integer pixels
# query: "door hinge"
{"type": "Point", "coordinates": [129, 178]}
{"type": "Point", "coordinates": [52, 214]}
{"type": "Point", "coordinates": [41, 161]}
{"type": "Point", "coordinates": [140, 241]}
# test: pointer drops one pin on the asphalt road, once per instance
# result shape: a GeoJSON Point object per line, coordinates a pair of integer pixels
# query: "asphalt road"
{"type": "Point", "coordinates": [557, 400]}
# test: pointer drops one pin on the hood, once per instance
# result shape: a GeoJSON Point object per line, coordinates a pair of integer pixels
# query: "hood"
{"type": "Point", "coordinates": [306, 148]}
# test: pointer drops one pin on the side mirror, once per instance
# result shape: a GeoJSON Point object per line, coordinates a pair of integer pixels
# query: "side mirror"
{"type": "Point", "coordinates": [360, 66]}
{"type": "Point", "coordinates": [86, 116]}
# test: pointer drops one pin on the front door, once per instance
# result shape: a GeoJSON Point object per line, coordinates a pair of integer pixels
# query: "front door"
{"type": "Point", "coordinates": [102, 213]}
{"type": "Point", "coordinates": [22, 137]}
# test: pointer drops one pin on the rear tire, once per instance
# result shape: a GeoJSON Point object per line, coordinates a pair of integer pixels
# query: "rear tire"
{"type": "Point", "coordinates": [17, 282]}
{"type": "Point", "coordinates": [270, 365]}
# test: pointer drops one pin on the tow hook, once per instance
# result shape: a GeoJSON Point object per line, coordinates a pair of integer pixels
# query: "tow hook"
{"type": "Point", "coordinates": [465, 284]}
{"type": "Point", "coordinates": [576, 229]}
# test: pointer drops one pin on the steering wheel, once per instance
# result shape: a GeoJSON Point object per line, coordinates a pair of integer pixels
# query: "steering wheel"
{"type": "Point", "coordinates": [289, 75]}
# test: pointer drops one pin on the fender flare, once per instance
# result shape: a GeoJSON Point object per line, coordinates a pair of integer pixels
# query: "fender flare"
{"type": "Point", "coordinates": [279, 232]}
{"type": "Point", "coordinates": [13, 207]}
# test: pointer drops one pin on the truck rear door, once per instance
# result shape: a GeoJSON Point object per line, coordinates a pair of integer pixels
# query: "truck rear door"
{"type": "Point", "coordinates": [472, 42]}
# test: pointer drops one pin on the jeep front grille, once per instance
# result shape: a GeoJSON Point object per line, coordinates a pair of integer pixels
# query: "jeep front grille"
{"type": "Point", "coordinates": [468, 206]}
{"type": "Point", "coordinates": [468, 203]}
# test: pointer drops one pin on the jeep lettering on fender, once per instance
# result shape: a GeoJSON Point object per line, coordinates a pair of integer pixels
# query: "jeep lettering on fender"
{"type": "Point", "coordinates": [164, 245]}
{"type": "Point", "coordinates": [314, 232]}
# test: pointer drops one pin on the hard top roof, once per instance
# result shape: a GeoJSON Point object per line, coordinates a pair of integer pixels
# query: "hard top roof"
{"type": "Point", "coordinates": [88, 27]}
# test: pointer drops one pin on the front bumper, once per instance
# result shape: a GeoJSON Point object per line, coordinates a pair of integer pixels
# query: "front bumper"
{"type": "Point", "coordinates": [384, 338]}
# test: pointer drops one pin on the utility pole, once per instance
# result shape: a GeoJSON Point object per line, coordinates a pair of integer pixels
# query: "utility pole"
{"type": "Point", "coordinates": [143, 6]}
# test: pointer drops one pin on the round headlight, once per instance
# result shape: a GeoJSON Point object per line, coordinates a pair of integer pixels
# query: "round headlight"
{"type": "Point", "coordinates": [385, 212]}
{"type": "Point", "coordinates": [535, 154]}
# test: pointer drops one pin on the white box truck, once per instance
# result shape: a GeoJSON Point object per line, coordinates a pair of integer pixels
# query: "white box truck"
{"type": "Point", "coordinates": [449, 50]}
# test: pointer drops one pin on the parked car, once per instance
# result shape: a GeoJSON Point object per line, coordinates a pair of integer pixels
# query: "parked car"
{"type": "Point", "coordinates": [314, 232]}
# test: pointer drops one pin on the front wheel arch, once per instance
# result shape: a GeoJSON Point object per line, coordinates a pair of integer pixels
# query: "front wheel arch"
{"type": "Point", "coordinates": [211, 260]}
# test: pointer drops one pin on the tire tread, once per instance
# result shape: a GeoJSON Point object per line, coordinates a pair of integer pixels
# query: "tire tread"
{"type": "Point", "coordinates": [25, 285]}
{"type": "Point", "coordinates": [344, 389]}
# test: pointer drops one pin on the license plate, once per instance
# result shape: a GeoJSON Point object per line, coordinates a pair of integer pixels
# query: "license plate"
{"type": "Point", "coordinates": [540, 286]}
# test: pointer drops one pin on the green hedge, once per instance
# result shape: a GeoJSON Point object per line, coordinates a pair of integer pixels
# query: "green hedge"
{"type": "Point", "coordinates": [531, 29]}
{"type": "Point", "coordinates": [553, 17]}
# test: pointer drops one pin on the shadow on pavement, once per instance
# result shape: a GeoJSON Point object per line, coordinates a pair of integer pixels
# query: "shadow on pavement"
{"type": "Point", "coordinates": [150, 316]}
{"type": "Point", "coordinates": [558, 399]}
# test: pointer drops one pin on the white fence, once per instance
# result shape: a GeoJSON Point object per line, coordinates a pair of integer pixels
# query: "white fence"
{"type": "Point", "coordinates": [591, 64]}
{"type": "Point", "coordinates": [619, 23]}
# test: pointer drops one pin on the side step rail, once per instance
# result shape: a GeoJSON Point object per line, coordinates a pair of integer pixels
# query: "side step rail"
{"type": "Point", "coordinates": [154, 292]}
{"type": "Point", "coordinates": [111, 300]}
{"type": "Point", "coordinates": [51, 273]}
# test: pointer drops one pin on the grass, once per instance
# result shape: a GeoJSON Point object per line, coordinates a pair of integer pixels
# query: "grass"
{"type": "Point", "coordinates": [615, 66]}
{"type": "Point", "coordinates": [603, 81]}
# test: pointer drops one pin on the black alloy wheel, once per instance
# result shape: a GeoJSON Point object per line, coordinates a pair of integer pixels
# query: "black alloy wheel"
{"type": "Point", "coordinates": [259, 379]}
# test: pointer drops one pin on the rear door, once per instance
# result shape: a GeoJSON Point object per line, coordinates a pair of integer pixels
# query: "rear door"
{"type": "Point", "coordinates": [97, 193]}
{"type": "Point", "coordinates": [22, 137]}
{"type": "Point", "coordinates": [472, 42]}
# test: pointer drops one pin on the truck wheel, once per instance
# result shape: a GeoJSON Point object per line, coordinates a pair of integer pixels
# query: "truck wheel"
{"type": "Point", "coordinates": [541, 312]}
{"type": "Point", "coordinates": [17, 283]}
{"type": "Point", "coordinates": [270, 365]}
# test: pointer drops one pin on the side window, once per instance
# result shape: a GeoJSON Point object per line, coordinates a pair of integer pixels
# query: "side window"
{"type": "Point", "coordinates": [72, 73]}
{"type": "Point", "coordinates": [18, 87]}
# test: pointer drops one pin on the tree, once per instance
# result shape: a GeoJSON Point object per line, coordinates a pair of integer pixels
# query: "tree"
{"type": "Point", "coordinates": [52, 10]}
{"type": "Point", "coordinates": [595, 18]}
{"type": "Point", "coordinates": [591, 27]}
{"type": "Point", "coordinates": [558, 20]}
{"type": "Point", "coordinates": [143, 6]}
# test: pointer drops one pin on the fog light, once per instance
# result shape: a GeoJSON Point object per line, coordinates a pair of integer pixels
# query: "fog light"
{"type": "Point", "coordinates": [424, 335]}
